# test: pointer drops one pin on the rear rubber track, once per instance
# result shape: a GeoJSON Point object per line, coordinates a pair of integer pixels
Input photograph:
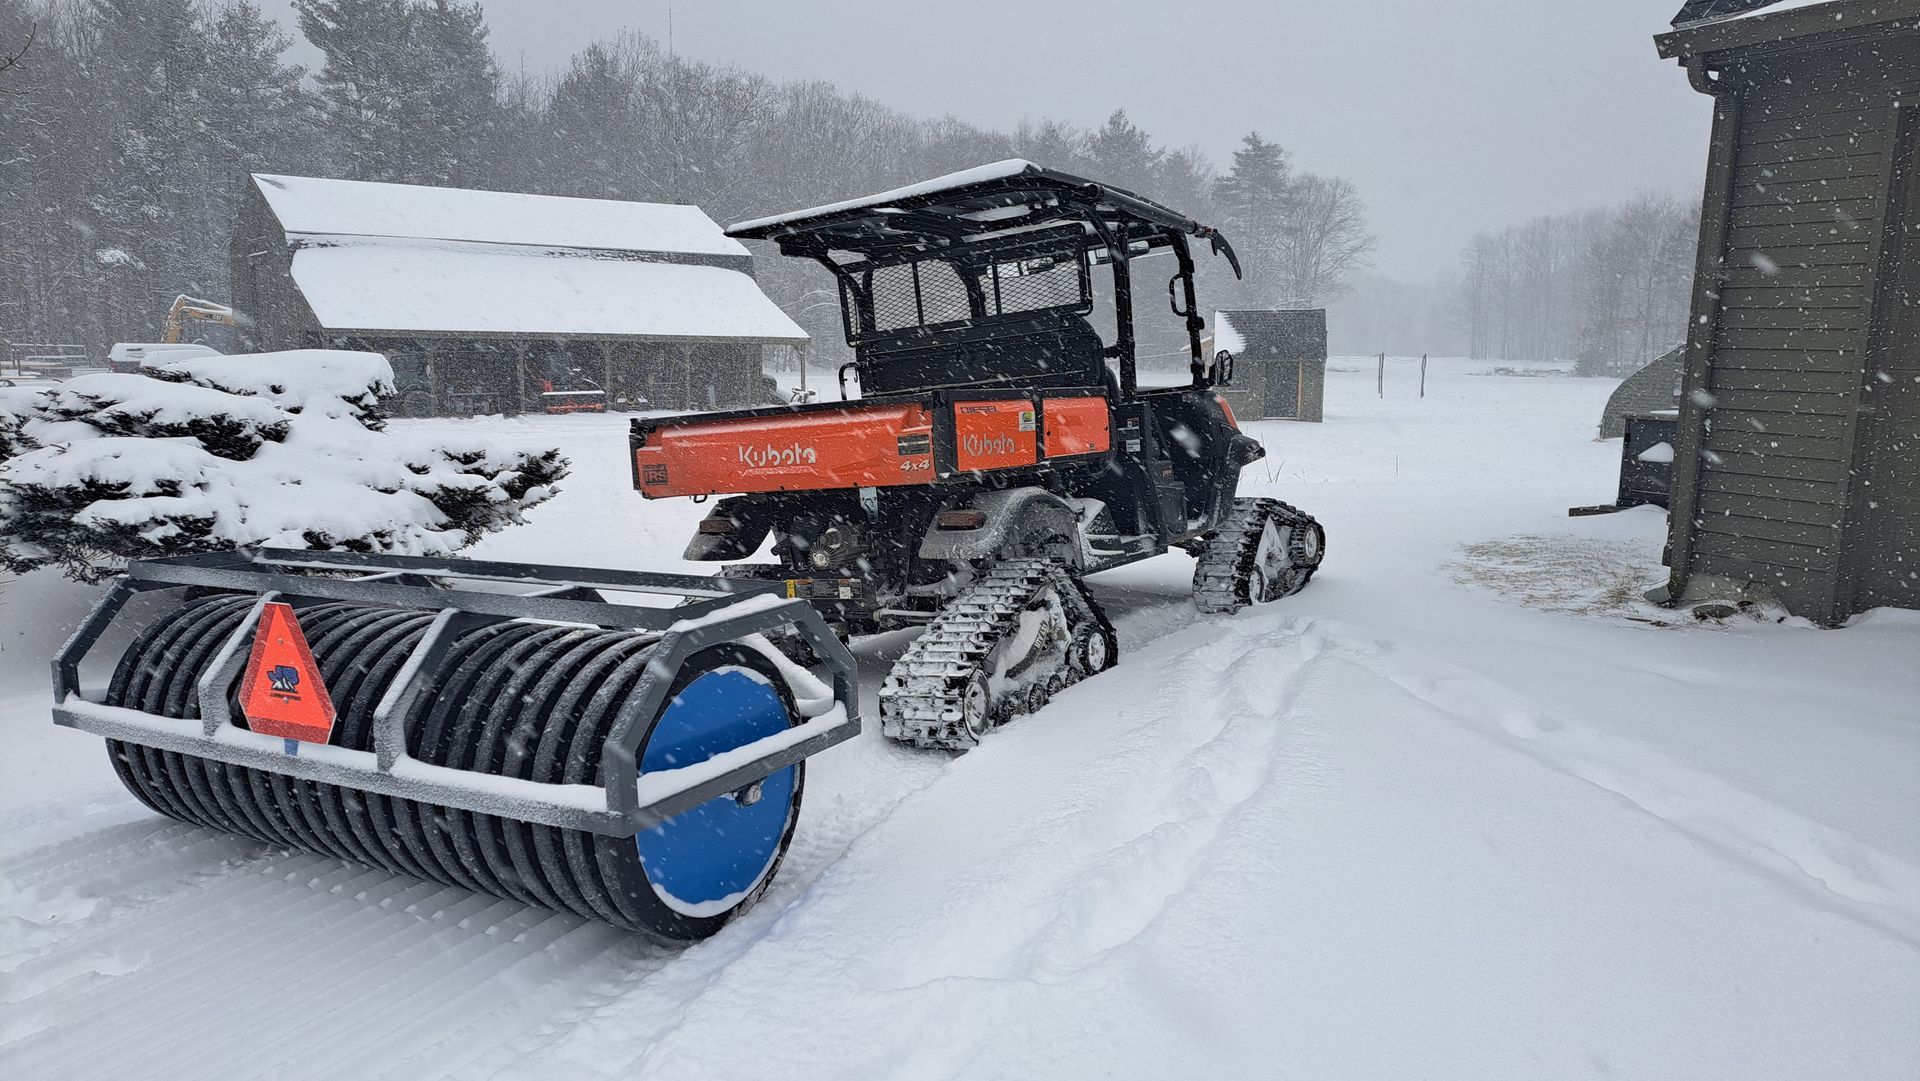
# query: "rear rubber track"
{"type": "Point", "coordinates": [922, 701]}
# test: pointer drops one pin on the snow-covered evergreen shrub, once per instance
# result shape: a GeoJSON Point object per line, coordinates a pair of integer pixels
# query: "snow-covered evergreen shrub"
{"type": "Point", "coordinates": [285, 449]}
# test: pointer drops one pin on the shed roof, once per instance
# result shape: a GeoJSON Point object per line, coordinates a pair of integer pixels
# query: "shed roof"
{"type": "Point", "coordinates": [1706, 26]}
{"type": "Point", "coordinates": [1292, 334]}
{"type": "Point", "coordinates": [409, 260]}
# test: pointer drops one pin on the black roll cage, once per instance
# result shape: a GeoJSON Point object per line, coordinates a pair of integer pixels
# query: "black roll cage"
{"type": "Point", "coordinates": [929, 218]}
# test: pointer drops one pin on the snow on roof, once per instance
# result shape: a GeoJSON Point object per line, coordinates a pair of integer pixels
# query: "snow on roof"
{"type": "Point", "coordinates": [975, 175]}
{"type": "Point", "coordinates": [1288, 333]}
{"type": "Point", "coordinates": [422, 286]}
{"type": "Point", "coordinates": [1702, 13]}
{"type": "Point", "coordinates": [1225, 336]}
{"type": "Point", "coordinates": [312, 205]}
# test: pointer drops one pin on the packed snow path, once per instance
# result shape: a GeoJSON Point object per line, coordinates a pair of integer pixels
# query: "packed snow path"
{"type": "Point", "coordinates": [1400, 825]}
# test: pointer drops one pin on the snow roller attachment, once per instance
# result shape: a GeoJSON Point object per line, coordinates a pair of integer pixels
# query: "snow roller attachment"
{"type": "Point", "coordinates": [637, 765]}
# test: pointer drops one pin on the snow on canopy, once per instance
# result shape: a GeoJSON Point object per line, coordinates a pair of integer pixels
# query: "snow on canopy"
{"type": "Point", "coordinates": [373, 257]}
{"type": "Point", "coordinates": [995, 171]}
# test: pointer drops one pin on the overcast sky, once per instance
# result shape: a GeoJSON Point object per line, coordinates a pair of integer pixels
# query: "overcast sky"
{"type": "Point", "coordinates": [1450, 115]}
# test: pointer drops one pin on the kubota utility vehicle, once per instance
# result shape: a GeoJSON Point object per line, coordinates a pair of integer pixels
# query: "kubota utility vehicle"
{"type": "Point", "coordinates": [1002, 447]}
{"type": "Point", "coordinates": [505, 728]}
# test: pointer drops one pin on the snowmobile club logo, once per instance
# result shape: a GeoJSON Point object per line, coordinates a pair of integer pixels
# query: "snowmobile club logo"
{"type": "Point", "coordinates": [770, 455]}
{"type": "Point", "coordinates": [284, 681]}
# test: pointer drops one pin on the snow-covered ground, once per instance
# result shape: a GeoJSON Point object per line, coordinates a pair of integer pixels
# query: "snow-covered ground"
{"type": "Point", "coordinates": [1466, 808]}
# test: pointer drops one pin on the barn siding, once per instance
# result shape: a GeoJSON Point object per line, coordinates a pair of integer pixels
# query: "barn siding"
{"type": "Point", "coordinates": [1779, 408]}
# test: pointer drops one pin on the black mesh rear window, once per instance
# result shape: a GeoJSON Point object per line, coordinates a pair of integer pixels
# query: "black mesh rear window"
{"type": "Point", "coordinates": [1007, 281]}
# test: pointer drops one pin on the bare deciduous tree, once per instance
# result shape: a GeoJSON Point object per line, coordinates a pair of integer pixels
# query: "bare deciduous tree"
{"type": "Point", "coordinates": [1322, 241]}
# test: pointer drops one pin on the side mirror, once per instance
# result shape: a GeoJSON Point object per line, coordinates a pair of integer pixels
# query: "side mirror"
{"type": "Point", "coordinates": [1223, 369]}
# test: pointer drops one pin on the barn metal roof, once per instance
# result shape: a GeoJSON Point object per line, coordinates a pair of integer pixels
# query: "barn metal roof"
{"type": "Point", "coordinates": [306, 204]}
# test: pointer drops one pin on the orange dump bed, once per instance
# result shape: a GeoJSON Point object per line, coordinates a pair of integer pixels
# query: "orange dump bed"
{"type": "Point", "coordinates": [860, 445]}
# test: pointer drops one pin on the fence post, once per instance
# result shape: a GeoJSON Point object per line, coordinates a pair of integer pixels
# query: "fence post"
{"type": "Point", "coordinates": [1423, 375]}
{"type": "Point", "coordinates": [1380, 379]}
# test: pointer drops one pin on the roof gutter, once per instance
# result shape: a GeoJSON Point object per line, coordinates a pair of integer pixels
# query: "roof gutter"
{"type": "Point", "coordinates": [1699, 78]}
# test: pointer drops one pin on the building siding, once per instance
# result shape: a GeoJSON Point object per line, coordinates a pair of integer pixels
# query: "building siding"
{"type": "Point", "coordinates": [1799, 251]}
{"type": "Point", "coordinates": [1772, 407]}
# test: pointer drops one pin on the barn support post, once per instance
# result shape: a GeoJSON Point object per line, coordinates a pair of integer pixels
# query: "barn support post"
{"type": "Point", "coordinates": [519, 379]}
{"type": "Point", "coordinates": [435, 404]}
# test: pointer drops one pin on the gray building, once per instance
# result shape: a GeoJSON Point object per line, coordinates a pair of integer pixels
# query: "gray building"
{"type": "Point", "coordinates": [1653, 389]}
{"type": "Point", "coordinates": [1280, 361]}
{"type": "Point", "coordinates": [482, 299]}
{"type": "Point", "coordinates": [1797, 465]}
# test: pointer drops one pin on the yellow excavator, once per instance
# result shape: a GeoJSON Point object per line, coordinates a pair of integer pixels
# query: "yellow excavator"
{"type": "Point", "coordinates": [129, 357]}
{"type": "Point", "coordinates": [186, 308]}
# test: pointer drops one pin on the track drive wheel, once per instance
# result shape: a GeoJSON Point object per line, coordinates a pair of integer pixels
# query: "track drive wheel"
{"type": "Point", "coordinates": [1264, 551]}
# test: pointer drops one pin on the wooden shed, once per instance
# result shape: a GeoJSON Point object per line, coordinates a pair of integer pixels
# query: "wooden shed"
{"type": "Point", "coordinates": [1280, 360]}
{"type": "Point", "coordinates": [477, 295]}
{"type": "Point", "coordinates": [1797, 466]}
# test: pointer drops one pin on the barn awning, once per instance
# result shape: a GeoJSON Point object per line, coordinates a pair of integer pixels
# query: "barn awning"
{"type": "Point", "coordinates": [439, 289]}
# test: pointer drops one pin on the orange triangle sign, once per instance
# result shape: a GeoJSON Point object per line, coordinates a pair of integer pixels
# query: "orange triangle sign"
{"type": "Point", "coordinates": [282, 694]}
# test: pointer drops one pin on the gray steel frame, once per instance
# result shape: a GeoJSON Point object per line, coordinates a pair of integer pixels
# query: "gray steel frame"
{"type": "Point", "coordinates": [554, 594]}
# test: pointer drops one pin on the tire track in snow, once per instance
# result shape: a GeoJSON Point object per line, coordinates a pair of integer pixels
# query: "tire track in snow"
{"type": "Point", "coordinates": [1184, 781]}
{"type": "Point", "coordinates": [1833, 869]}
{"type": "Point", "coordinates": [1122, 808]}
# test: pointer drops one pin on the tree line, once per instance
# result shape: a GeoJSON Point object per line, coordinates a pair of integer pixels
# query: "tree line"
{"type": "Point", "coordinates": [130, 125]}
{"type": "Point", "coordinates": [1604, 291]}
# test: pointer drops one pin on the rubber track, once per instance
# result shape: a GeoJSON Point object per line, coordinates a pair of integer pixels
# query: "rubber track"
{"type": "Point", "coordinates": [1220, 574]}
{"type": "Point", "coordinates": [920, 701]}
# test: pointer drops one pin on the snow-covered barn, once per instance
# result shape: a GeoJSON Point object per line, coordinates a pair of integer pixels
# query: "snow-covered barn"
{"type": "Point", "coordinates": [477, 296]}
{"type": "Point", "coordinates": [1796, 474]}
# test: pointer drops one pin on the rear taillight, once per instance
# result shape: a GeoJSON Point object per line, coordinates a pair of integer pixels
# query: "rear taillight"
{"type": "Point", "coordinates": [961, 519]}
{"type": "Point", "coordinates": [1228, 410]}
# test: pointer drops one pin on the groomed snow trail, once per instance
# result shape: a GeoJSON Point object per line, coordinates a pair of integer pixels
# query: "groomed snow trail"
{"type": "Point", "coordinates": [1396, 826]}
{"type": "Point", "coordinates": [1265, 805]}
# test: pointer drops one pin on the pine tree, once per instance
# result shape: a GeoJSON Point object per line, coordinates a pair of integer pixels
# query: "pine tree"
{"type": "Point", "coordinates": [1124, 155]}
{"type": "Point", "coordinates": [366, 80]}
{"type": "Point", "coordinates": [593, 123]}
{"type": "Point", "coordinates": [451, 108]}
{"type": "Point", "coordinates": [1253, 201]}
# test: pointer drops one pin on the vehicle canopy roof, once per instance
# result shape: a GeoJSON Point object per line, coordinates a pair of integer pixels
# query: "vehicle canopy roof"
{"type": "Point", "coordinates": [989, 201]}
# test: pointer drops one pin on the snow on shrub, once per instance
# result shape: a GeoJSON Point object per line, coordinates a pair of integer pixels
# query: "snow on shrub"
{"type": "Point", "coordinates": [285, 449]}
